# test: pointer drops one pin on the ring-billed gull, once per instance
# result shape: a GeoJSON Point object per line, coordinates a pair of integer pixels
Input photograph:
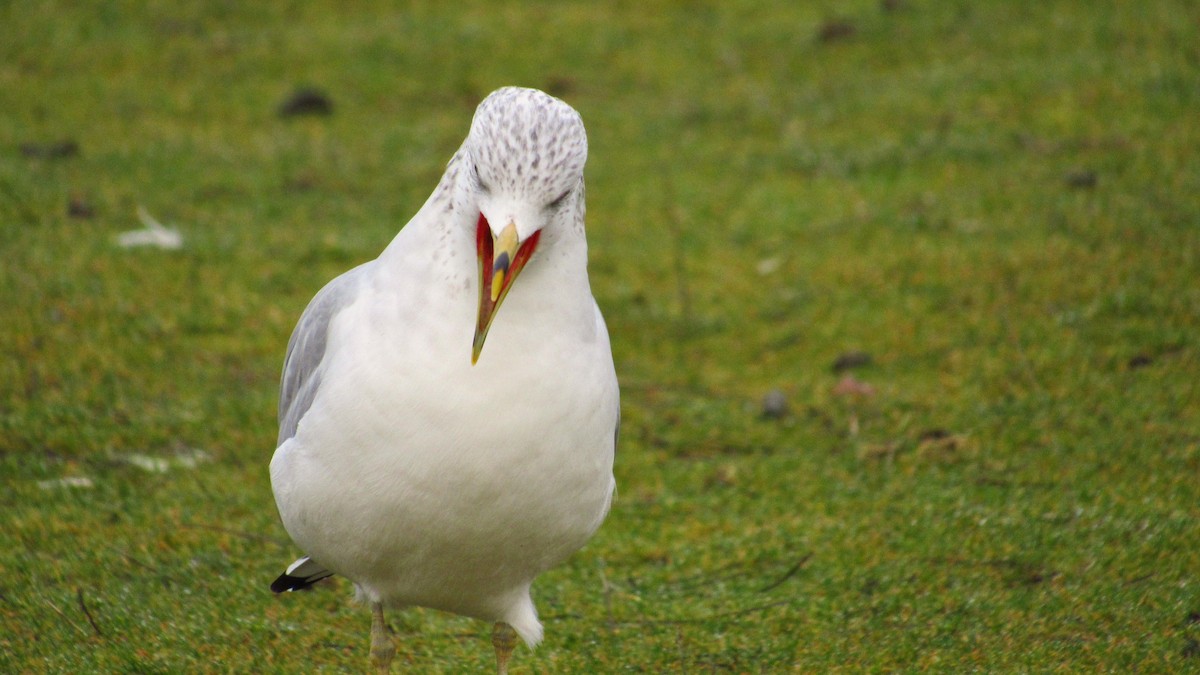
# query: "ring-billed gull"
{"type": "Point", "coordinates": [415, 463]}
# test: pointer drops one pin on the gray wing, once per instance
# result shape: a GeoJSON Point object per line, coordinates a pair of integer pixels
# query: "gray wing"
{"type": "Point", "coordinates": [306, 349]}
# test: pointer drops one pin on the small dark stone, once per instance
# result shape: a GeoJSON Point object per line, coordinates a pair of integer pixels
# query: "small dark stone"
{"type": "Point", "coordinates": [851, 360]}
{"type": "Point", "coordinates": [78, 207]}
{"type": "Point", "coordinates": [1193, 617]}
{"type": "Point", "coordinates": [1082, 179]}
{"type": "Point", "coordinates": [306, 101]}
{"type": "Point", "coordinates": [934, 434]}
{"type": "Point", "coordinates": [1140, 361]}
{"type": "Point", "coordinates": [835, 29]}
{"type": "Point", "coordinates": [775, 405]}
{"type": "Point", "coordinates": [1191, 649]}
{"type": "Point", "coordinates": [55, 150]}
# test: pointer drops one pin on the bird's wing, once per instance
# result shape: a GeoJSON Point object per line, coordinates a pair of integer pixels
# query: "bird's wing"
{"type": "Point", "coordinates": [306, 349]}
{"type": "Point", "coordinates": [300, 575]}
{"type": "Point", "coordinates": [602, 327]}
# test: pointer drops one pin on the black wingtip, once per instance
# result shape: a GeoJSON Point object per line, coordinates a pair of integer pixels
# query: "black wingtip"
{"type": "Point", "coordinates": [287, 582]}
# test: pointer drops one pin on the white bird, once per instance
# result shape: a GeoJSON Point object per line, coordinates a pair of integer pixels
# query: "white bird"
{"type": "Point", "coordinates": [423, 468]}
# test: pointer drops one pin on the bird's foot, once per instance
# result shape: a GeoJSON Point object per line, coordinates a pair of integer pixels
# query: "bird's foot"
{"type": "Point", "coordinates": [504, 638]}
{"type": "Point", "coordinates": [383, 648]}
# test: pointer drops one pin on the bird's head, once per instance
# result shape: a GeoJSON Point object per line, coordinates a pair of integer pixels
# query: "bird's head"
{"type": "Point", "coordinates": [524, 162]}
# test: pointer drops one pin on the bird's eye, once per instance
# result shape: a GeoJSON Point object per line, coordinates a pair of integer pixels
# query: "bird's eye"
{"type": "Point", "coordinates": [558, 201]}
{"type": "Point", "coordinates": [479, 181]}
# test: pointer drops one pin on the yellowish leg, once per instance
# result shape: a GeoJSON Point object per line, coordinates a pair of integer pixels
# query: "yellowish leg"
{"type": "Point", "coordinates": [504, 638]}
{"type": "Point", "coordinates": [382, 646]}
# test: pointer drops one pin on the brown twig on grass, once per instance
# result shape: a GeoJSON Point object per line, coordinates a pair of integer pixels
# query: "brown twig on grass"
{"type": "Point", "coordinates": [64, 616]}
{"type": "Point", "coordinates": [88, 614]}
{"type": "Point", "coordinates": [788, 574]}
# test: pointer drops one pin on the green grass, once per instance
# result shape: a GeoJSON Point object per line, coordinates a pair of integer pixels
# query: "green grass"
{"type": "Point", "coordinates": [998, 201]}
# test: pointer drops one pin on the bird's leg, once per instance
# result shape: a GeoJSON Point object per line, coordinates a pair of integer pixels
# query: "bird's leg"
{"type": "Point", "coordinates": [504, 638]}
{"type": "Point", "coordinates": [382, 646]}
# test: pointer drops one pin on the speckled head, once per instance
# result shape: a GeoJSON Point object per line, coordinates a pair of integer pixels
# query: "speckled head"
{"type": "Point", "coordinates": [527, 145]}
{"type": "Point", "coordinates": [523, 165]}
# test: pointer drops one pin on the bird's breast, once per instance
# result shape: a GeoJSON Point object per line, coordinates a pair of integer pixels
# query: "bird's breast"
{"type": "Point", "coordinates": [509, 459]}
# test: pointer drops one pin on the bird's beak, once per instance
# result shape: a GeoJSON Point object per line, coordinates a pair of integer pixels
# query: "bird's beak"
{"type": "Point", "coordinates": [501, 259]}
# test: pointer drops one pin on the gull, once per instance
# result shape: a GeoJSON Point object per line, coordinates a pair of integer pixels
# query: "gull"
{"type": "Point", "coordinates": [424, 468]}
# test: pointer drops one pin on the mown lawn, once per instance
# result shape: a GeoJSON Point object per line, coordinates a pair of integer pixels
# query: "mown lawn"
{"type": "Point", "coordinates": [955, 244]}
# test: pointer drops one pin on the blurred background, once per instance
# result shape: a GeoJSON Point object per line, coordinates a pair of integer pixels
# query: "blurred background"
{"type": "Point", "coordinates": [903, 294]}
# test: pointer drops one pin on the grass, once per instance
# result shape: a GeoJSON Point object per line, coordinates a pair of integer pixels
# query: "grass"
{"type": "Point", "coordinates": [996, 201]}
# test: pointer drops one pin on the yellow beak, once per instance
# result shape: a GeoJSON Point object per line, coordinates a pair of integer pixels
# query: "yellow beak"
{"type": "Point", "coordinates": [504, 250]}
{"type": "Point", "coordinates": [501, 259]}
